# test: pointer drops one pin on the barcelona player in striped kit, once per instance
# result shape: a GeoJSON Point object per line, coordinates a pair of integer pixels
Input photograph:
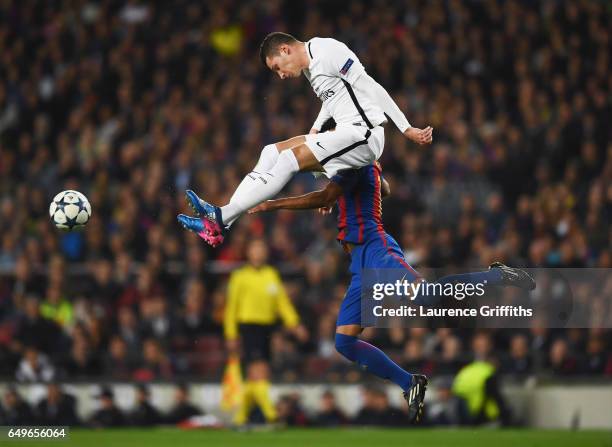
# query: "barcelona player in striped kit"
{"type": "Point", "coordinates": [358, 194]}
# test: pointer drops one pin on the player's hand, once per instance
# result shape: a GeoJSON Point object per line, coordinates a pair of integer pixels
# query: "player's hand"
{"type": "Point", "coordinates": [419, 136]}
{"type": "Point", "coordinates": [301, 333]}
{"type": "Point", "coordinates": [325, 210]}
{"type": "Point", "coordinates": [264, 206]}
{"type": "Point", "coordinates": [232, 346]}
{"type": "Point", "coordinates": [313, 130]}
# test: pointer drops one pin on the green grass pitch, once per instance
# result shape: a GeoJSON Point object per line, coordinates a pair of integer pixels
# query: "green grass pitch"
{"type": "Point", "coordinates": [365, 437]}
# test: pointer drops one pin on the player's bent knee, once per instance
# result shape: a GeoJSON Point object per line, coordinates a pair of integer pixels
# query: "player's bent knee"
{"type": "Point", "coordinates": [349, 329]}
{"type": "Point", "coordinates": [345, 345]}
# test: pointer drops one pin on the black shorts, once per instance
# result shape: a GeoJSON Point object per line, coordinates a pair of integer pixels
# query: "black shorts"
{"type": "Point", "coordinates": [255, 342]}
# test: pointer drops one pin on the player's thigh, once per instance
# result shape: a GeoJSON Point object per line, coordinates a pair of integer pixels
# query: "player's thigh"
{"type": "Point", "coordinates": [291, 142]}
{"type": "Point", "coordinates": [350, 308]}
{"type": "Point", "coordinates": [377, 141]}
{"type": "Point", "coordinates": [385, 255]}
{"type": "Point", "coordinates": [344, 148]}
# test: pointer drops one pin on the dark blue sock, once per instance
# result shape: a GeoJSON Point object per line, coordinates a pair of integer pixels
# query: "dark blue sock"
{"type": "Point", "coordinates": [372, 359]}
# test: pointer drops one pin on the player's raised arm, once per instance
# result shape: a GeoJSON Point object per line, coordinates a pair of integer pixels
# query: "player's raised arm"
{"type": "Point", "coordinates": [322, 198]}
{"type": "Point", "coordinates": [366, 84]}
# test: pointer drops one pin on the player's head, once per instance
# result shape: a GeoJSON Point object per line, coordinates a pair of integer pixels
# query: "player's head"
{"type": "Point", "coordinates": [280, 52]}
{"type": "Point", "coordinates": [257, 252]}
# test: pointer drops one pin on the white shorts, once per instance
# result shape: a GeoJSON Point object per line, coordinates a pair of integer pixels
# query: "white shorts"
{"type": "Point", "coordinates": [347, 147]}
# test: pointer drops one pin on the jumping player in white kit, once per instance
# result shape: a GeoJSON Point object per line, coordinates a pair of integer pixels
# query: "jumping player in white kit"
{"type": "Point", "coordinates": [358, 104]}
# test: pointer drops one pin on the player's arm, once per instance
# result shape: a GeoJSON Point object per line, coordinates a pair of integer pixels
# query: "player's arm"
{"type": "Point", "coordinates": [322, 198]}
{"type": "Point", "coordinates": [288, 313]}
{"type": "Point", "coordinates": [385, 189]}
{"type": "Point", "coordinates": [366, 84]}
{"type": "Point", "coordinates": [342, 62]}
{"type": "Point", "coordinates": [230, 317]}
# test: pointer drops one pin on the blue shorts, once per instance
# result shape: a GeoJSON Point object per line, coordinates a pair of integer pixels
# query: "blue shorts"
{"type": "Point", "coordinates": [377, 251]}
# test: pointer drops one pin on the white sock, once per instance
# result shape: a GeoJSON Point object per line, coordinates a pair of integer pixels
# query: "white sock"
{"type": "Point", "coordinates": [267, 159]}
{"type": "Point", "coordinates": [257, 187]}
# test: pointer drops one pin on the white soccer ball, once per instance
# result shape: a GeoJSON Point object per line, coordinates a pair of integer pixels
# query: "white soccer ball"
{"type": "Point", "coordinates": [70, 210]}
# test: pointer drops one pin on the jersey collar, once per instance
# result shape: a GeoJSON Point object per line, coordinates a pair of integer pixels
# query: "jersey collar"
{"type": "Point", "coordinates": [309, 53]}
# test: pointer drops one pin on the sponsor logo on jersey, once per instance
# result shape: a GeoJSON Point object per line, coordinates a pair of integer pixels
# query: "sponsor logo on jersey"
{"type": "Point", "coordinates": [326, 94]}
{"type": "Point", "coordinates": [347, 66]}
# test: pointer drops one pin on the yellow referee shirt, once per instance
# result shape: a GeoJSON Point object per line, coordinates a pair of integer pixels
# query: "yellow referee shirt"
{"type": "Point", "coordinates": [256, 296]}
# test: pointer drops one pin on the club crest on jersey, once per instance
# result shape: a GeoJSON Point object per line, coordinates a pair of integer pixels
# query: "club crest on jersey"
{"type": "Point", "coordinates": [347, 66]}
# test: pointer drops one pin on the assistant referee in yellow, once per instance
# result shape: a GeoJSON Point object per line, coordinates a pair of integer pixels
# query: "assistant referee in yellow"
{"type": "Point", "coordinates": [256, 300]}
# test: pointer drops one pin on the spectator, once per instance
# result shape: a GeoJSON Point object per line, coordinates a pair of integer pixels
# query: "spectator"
{"type": "Point", "coordinates": [155, 362]}
{"type": "Point", "coordinates": [57, 308]}
{"type": "Point", "coordinates": [413, 359]}
{"type": "Point", "coordinates": [596, 358]}
{"type": "Point", "coordinates": [450, 361]}
{"type": "Point", "coordinates": [156, 321]}
{"type": "Point", "coordinates": [15, 410]}
{"type": "Point", "coordinates": [82, 361]}
{"type": "Point", "coordinates": [33, 330]}
{"type": "Point", "coordinates": [104, 290]}
{"type": "Point", "coordinates": [377, 411]}
{"type": "Point", "coordinates": [289, 411]}
{"type": "Point", "coordinates": [182, 409]}
{"type": "Point", "coordinates": [128, 330]}
{"type": "Point", "coordinates": [34, 367]}
{"type": "Point", "coordinates": [194, 320]}
{"type": "Point", "coordinates": [329, 415]}
{"type": "Point", "coordinates": [560, 360]}
{"type": "Point", "coordinates": [58, 408]}
{"type": "Point", "coordinates": [118, 364]}
{"type": "Point", "coordinates": [447, 409]}
{"type": "Point", "coordinates": [107, 415]}
{"type": "Point", "coordinates": [144, 414]}
{"type": "Point", "coordinates": [519, 361]}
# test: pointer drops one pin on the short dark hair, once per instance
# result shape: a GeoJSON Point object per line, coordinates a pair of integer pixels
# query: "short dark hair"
{"type": "Point", "coordinates": [271, 43]}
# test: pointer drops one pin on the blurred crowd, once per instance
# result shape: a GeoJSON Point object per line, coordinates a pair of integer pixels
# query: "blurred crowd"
{"type": "Point", "coordinates": [59, 407]}
{"type": "Point", "coordinates": [132, 102]}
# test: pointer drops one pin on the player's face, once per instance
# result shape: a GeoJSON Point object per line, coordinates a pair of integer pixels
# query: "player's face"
{"type": "Point", "coordinates": [285, 63]}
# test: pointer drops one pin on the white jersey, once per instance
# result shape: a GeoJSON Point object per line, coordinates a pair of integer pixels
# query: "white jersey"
{"type": "Point", "coordinates": [332, 72]}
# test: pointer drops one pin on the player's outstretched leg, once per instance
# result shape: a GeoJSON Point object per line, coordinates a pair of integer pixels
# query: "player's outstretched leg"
{"type": "Point", "coordinates": [498, 275]}
{"type": "Point", "coordinates": [255, 188]}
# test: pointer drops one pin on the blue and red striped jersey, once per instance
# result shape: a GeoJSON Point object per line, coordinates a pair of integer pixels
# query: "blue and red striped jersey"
{"type": "Point", "coordinates": [360, 205]}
